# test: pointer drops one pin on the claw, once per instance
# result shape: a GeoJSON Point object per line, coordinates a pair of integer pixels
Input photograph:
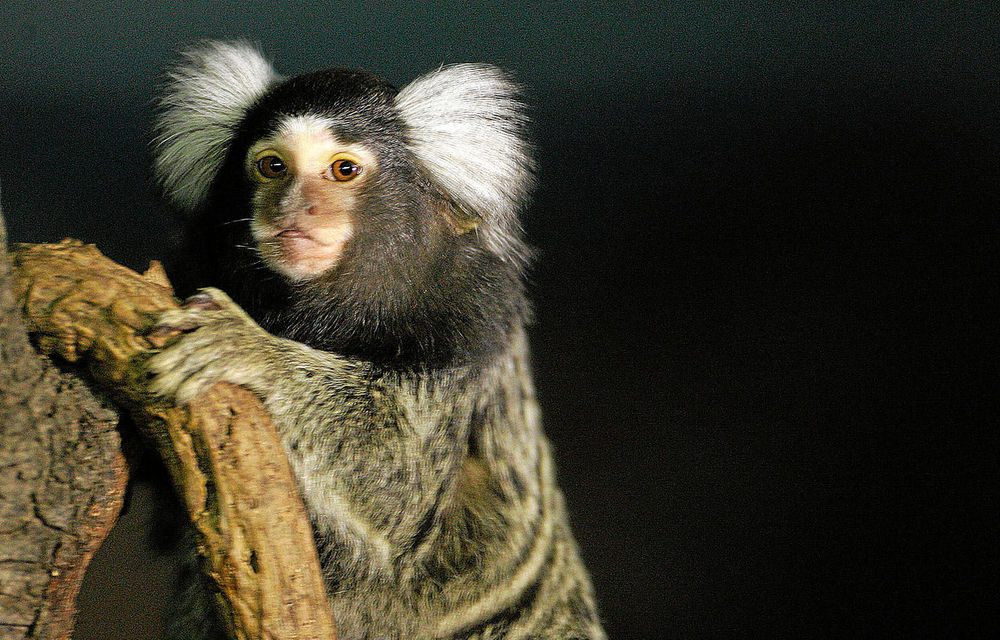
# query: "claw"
{"type": "Point", "coordinates": [164, 328]}
{"type": "Point", "coordinates": [202, 301]}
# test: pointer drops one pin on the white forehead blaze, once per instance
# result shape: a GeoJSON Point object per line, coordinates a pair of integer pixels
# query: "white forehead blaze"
{"type": "Point", "coordinates": [308, 124]}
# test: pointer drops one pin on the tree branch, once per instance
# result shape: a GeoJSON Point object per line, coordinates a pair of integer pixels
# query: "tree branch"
{"type": "Point", "coordinates": [223, 453]}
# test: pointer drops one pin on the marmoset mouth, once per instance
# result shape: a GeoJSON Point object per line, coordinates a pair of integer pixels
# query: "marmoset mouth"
{"type": "Point", "coordinates": [296, 242]}
{"type": "Point", "coordinates": [301, 254]}
{"type": "Point", "coordinates": [293, 233]}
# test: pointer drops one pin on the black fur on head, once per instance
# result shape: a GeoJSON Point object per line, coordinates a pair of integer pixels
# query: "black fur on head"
{"type": "Point", "coordinates": [409, 291]}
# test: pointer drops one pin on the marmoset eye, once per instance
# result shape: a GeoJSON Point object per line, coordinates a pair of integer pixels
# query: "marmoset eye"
{"type": "Point", "coordinates": [345, 169]}
{"type": "Point", "coordinates": [271, 167]}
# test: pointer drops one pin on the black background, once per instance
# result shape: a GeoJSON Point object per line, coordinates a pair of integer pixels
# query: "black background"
{"type": "Point", "coordinates": [767, 242]}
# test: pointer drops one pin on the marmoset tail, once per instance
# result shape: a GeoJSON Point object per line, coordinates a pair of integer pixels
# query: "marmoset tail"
{"type": "Point", "coordinates": [368, 245]}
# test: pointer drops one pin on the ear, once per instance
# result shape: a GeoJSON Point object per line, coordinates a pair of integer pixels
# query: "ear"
{"type": "Point", "coordinates": [205, 98]}
{"type": "Point", "coordinates": [466, 128]}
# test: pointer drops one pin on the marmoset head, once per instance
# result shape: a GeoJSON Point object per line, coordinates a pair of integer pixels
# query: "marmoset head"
{"type": "Point", "coordinates": [349, 215]}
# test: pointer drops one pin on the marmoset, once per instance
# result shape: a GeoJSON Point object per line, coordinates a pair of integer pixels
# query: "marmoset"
{"type": "Point", "coordinates": [368, 244]}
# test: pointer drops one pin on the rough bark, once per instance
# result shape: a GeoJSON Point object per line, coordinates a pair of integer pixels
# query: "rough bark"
{"type": "Point", "coordinates": [223, 453]}
{"type": "Point", "coordinates": [62, 480]}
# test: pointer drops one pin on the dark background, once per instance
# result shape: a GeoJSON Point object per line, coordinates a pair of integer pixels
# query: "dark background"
{"type": "Point", "coordinates": [766, 250]}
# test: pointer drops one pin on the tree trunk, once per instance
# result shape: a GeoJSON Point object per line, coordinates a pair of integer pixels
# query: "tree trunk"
{"type": "Point", "coordinates": [62, 472]}
{"type": "Point", "coordinates": [62, 479]}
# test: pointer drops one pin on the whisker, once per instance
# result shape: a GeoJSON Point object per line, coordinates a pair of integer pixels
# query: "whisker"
{"type": "Point", "coordinates": [246, 247]}
{"type": "Point", "coordinates": [236, 221]}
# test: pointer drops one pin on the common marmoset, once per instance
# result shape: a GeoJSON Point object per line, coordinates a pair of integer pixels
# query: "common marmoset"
{"type": "Point", "coordinates": [367, 239]}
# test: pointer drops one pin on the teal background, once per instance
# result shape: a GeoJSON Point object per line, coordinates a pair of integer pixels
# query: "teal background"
{"type": "Point", "coordinates": [767, 257]}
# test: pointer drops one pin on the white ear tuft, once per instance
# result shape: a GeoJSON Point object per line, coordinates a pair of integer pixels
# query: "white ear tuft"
{"type": "Point", "coordinates": [466, 128]}
{"type": "Point", "coordinates": [205, 98]}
